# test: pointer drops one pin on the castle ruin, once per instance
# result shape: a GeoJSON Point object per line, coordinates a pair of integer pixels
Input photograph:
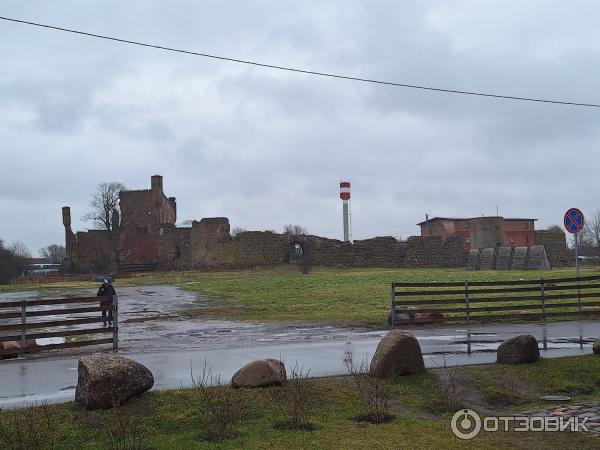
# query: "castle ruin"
{"type": "Point", "coordinates": [144, 237]}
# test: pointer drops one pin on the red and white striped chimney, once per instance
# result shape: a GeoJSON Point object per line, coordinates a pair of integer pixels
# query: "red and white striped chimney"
{"type": "Point", "coordinates": [345, 190]}
{"type": "Point", "coordinates": [345, 196]}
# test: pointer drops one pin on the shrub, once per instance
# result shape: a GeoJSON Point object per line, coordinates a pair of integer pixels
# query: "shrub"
{"type": "Point", "coordinates": [374, 392]}
{"type": "Point", "coordinates": [450, 395]}
{"type": "Point", "coordinates": [295, 400]}
{"type": "Point", "coordinates": [31, 430]}
{"type": "Point", "coordinates": [9, 264]}
{"type": "Point", "coordinates": [223, 407]}
{"type": "Point", "coordinates": [122, 430]}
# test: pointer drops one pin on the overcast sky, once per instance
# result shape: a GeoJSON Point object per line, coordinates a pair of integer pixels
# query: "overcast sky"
{"type": "Point", "coordinates": [265, 147]}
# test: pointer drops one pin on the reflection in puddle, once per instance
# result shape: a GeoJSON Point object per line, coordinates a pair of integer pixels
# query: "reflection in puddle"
{"type": "Point", "coordinates": [491, 345]}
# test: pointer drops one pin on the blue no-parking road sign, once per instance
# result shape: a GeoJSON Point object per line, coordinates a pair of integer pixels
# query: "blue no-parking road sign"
{"type": "Point", "coordinates": [574, 220]}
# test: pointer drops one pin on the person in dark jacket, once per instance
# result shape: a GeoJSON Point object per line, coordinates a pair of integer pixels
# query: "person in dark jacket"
{"type": "Point", "coordinates": [106, 289]}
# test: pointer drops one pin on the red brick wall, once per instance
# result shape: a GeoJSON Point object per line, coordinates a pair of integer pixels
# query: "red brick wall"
{"type": "Point", "coordinates": [519, 233]}
{"type": "Point", "coordinates": [142, 214]}
{"type": "Point", "coordinates": [445, 228]}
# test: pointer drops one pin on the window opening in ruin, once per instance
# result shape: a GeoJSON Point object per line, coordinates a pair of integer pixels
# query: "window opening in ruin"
{"type": "Point", "coordinates": [296, 253]}
{"type": "Point", "coordinates": [142, 230]}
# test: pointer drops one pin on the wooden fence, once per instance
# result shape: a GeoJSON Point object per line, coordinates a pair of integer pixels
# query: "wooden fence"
{"type": "Point", "coordinates": [79, 306]}
{"type": "Point", "coordinates": [488, 301]}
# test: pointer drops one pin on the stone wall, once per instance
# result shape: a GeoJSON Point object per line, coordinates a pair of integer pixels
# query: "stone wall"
{"type": "Point", "coordinates": [431, 251]}
{"type": "Point", "coordinates": [90, 251]}
{"type": "Point", "coordinates": [213, 247]}
{"type": "Point", "coordinates": [174, 247]}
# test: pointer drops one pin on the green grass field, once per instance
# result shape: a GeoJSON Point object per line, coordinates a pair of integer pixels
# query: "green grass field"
{"type": "Point", "coordinates": [348, 297]}
{"type": "Point", "coordinates": [174, 419]}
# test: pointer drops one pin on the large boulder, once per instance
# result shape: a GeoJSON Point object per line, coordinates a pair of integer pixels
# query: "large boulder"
{"type": "Point", "coordinates": [518, 350]}
{"type": "Point", "coordinates": [429, 317]}
{"type": "Point", "coordinates": [14, 347]}
{"type": "Point", "coordinates": [596, 347]}
{"type": "Point", "coordinates": [398, 353]}
{"type": "Point", "coordinates": [261, 373]}
{"type": "Point", "coordinates": [107, 380]}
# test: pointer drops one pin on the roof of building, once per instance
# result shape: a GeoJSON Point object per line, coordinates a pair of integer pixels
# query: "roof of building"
{"type": "Point", "coordinates": [441, 218]}
{"type": "Point", "coordinates": [467, 218]}
{"type": "Point", "coordinates": [38, 261]}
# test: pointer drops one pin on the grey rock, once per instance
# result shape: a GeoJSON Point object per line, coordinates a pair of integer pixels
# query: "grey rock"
{"type": "Point", "coordinates": [398, 353]}
{"type": "Point", "coordinates": [107, 380]}
{"type": "Point", "coordinates": [518, 350]}
{"type": "Point", "coordinates": [261, 373]}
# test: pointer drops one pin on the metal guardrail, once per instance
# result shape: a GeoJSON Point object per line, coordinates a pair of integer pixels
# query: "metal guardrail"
{"type": "Point", "coordinates": [26, 309]}
{"type": "Point", "coordinates": [486, 301]}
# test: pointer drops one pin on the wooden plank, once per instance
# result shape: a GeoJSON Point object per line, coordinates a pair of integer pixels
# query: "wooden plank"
{"type": "Point", "coordinates": [439, 310]}
{"type": "Point", "coordinates": [474, 292]}
{"type": "Point", "coordinates": [56, 323]}
{"type": "Point", "coordinates": [446, 301]}
{"type": "Point", "coordinates": [63, 333]}
{"type": "Point", "coordinates": [57, 312]}
{"type": "Point", "coordinates": [41, 348]}
{"type": "Point", "coordinates": [499, 308]}
{"type": "Point", "coordinates": [489, 317]}
{"type": "Point", "coordinates": [574, 313]}
{"type": "Point", "coordinates": [417, 302]}
{"type": "Point", "coordinates": [55, 301]}
{"type": "Point", "coordinates": [497, 291]}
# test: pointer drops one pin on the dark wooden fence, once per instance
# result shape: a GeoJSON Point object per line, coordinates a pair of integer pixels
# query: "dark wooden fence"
{"type": "Point", "coordinates": [486, 301]}
{"type": "Point", "coordinates": [17, 321]}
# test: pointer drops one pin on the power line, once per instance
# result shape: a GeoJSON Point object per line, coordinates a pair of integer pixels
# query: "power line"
{"type": "Point", "coordinates": [307, 72]}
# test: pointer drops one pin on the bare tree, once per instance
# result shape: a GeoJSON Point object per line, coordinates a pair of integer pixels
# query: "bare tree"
{"type": "Point", "coordinates": [104, 204]}
{"type": "Point", "coordinates": [294, 230]}
{"type": "Point", "coordinates": [55, 254]}
{"type": "Point", "coordinates": [20, 250]}
{"type": "Point", "coordinates": [555, 229]}
{"type": "Point", "coordinates": [237, 230]}
{"type": "Point", "coordinates": [592, 229]}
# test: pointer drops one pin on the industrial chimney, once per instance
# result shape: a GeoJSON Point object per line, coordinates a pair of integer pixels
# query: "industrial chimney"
{"type": "Point", "coordinates": [345, 196]}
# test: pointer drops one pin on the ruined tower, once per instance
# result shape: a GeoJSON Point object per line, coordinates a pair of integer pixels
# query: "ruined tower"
{"type": "Point", "coordinates": [66, 215]}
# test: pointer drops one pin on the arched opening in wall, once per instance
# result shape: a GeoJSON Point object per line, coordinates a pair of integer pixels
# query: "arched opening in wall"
{"type": "Point", "coordinates": [296, 253]}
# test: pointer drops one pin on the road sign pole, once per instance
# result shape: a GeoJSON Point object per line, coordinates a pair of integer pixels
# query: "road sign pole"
{"type": "Point", "coordinates": [577, 269]}
{"type": "Point", "coordinates": [574, 223]}
{"type": "Point", "coordinates": [577, 253]}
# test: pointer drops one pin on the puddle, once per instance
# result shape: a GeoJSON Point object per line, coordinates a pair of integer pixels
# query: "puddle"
{"type": "Point", "coordinates": [153, 320]}
{"type": "Point", "coordinates": [50, 341]}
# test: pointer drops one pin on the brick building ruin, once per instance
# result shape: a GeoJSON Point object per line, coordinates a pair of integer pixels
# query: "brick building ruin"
{"type": "Point", "coordinates": [145, 237]}
{"type": "Point", "coordinates": [481, 232]}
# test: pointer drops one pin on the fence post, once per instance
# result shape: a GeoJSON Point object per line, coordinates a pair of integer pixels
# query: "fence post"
{"type": "Point", "coordinates": [543, 299]}
{"type": "Point", "coordinates": [468, 310]}
{"type": "Point", "coordinates": [115, 321]}
{"type": "Point", "coordinates": [393, 293]}
{"type": "Point", "coordinates": [23, 330]}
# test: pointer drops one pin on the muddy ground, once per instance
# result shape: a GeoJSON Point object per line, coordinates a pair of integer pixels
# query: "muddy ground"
{"type": "Point", "coordinates": [157, 319]}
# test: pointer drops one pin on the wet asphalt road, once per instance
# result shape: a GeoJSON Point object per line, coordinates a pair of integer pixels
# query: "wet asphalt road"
{"type": "Point", "coordinates": [169, 345]}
